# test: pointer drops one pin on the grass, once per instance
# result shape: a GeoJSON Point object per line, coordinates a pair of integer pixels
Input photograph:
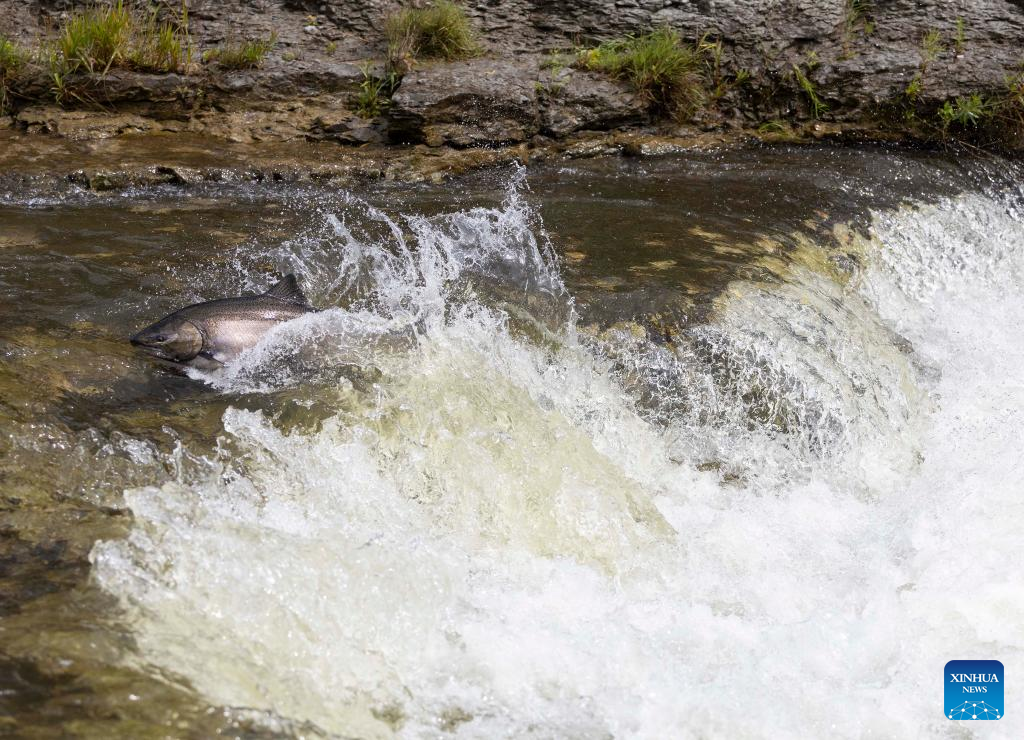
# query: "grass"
{"type": "Point", "coordinates": [960, 38]}
{"type": "Point", "coordinates": [247, 54]}
{"type": "Point", "coordinates": [100, 37]}
{"type": "Point", "coordinates": [12, 60]}
{"type": "Point", "coordinates": [931, 46]}
{"type": "Point", "coordinates": [772, 127]}
{"type": "Point", "coordinates": [375, 93]}
{"type": "Point", "coordinates": [856, 13]}
{"type": "Point", "coordinates": [913, 89]}
{"type": "Point", "coordinates": [161, 45]}
{"type": "Point", "coordinates": [95, 39]}
{"type": "Point", "coordinates": [818, 106]}
{"type": "Point", "coordinates": [658, 65]}
{"type": "Point", "coordinates": [439, 31]}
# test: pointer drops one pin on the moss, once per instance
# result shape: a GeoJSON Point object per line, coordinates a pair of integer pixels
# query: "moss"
{"type": "Point", "coordinates": [441, 31]}
{"type": "Point", "coordinates": [659, 65]}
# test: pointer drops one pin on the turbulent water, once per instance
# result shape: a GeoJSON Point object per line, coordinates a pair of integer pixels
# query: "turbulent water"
{"type": "Point", "coordinates": [778, 516]}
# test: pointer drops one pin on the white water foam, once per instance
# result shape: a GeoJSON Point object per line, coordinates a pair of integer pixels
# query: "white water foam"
{"type": "Point", "coordinates": [500, 542]}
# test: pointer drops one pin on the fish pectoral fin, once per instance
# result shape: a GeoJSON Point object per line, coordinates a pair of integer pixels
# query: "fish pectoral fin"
{"type": "Point", "coordinates": [206, 360]}
{"type": "Point", "coordinates": [287, 289]}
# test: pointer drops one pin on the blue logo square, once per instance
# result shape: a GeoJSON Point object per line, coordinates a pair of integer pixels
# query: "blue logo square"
{"type": "Point", "coordinates": [974, 689]}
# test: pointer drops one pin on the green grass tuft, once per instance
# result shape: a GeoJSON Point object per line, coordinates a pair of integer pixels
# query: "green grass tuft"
{"type": "Point", "coordinates": [161, 46]}
{"type": "Point", "coordinates": [659, 66]}
{"type": "Point", "coordinates": [96, 39]}
{"type": "Point", "coordinates": [375, 93]}
{"type": "Point", "coordinates": [439, 31]}
{"type": "Point", "coordinates": [931, 46]}
{"type": "Point", "coordinates": [12, 59]}
{"type": "Point", "coordinates": [242, 55]}
{"type": "Point", "coordinates": [818, 106]}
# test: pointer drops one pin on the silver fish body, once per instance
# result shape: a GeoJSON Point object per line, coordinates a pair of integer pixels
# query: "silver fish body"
{"type": "Point", "coordinates": [211, 334]}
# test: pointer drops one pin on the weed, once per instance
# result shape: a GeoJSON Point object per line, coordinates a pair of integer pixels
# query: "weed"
{"type": "Point", "coordinates": [931, 47]}
{"type": "Point", "coordinates": [854, 15]}
{"type": "Point", "coordinates": [913, 91]}
{"type": "Point", "coordinates": [965, 112]}
{"type": "Point", "coordinates": [96, 39]}
{"type": "Point", "coordinates": [375, 93]}
{"type": "Point", "coordinates": [658, 65]}
{"type": "Point", "coordinates": [246, 54]}
{"type": "Point", "coordinates": [556, 62]}
{"type": "Point", "coordinates": [959, 40]}
{"type": "Point", "coordinates": [331, 47]}
{"type": "Point", "coordinates": [818, 106]}
{"type": "Point", "coordinates": [440, 31]}
{"type": "Point", "coordinates": [12, 59]}
{"type": "Point", "coordinates": [772, 127]}
{"type": "Point", "coordinates": [161, 46]}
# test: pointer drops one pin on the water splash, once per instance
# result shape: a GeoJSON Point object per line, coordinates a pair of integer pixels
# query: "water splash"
{"type": "Point", "coordinates": [516, 533]}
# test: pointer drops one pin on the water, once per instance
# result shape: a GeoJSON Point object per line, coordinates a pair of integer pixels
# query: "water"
{"type": "Point", "coordinates": [717, 445]}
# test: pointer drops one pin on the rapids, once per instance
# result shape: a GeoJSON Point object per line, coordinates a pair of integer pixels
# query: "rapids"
{"type": "Point", "coordinates": [486, 510]}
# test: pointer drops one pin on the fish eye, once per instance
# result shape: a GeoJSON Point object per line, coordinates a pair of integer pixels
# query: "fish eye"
{"type": "Point", "coordinates": [159, 338]}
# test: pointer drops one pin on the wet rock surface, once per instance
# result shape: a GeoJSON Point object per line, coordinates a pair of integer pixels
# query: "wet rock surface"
{"type": "Point", "coordinates": [859, 63]}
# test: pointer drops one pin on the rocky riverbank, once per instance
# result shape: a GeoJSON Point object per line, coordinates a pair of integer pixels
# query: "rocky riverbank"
{"type": "Point", "coordinates": [922, 71]}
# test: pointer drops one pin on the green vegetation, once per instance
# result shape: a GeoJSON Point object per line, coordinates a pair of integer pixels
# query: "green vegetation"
{"type": "Point", "coordinates": [959, 40]}
{"type": "Point", "coordinates": [95, 39]}
{"type": "Point", "coordinates": [247, 54]}
{"type": "Point", "coordinates": [162, 45]}
{"type": "Point", "coordinates": [818, 106]}
{"type": "Point", "coordinates": [966, 111]}
{"type": "Point", "coordinates": [931, 47]}
{"type": "Point", "coordinates": [856, 14]}
{"type": "Point", "coordinates": [772, 127]}
{"type": "Point", "coordinates": [12, 59]}
{"type": "Point", "coordinates": [658, 65]}
{"type": "Point", "coordinates": [331, 47]}
{"type": "Point", "coordinates": [375, 93]}
{"type": "Point", "coordinates": [913, 89]}
{"type": "Point", "coordinates": [440, 30]}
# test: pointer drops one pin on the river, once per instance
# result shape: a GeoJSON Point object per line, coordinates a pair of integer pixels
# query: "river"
{"type": "Point", "coordinates": [710, 444]}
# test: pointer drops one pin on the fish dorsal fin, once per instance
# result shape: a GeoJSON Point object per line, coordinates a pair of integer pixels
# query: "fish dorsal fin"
{"type": "Point", "coordinates": [287, 289]}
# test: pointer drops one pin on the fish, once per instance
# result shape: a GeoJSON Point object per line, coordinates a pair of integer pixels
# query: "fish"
{"type": "Point", "coordinates": [210, 335]}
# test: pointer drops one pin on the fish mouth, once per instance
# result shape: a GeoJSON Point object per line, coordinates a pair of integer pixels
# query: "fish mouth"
{"type": "Point", "coordinates": [150, 349]}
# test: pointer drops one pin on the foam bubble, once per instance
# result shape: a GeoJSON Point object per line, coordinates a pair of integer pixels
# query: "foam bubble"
{"type": "Point", "coordinates": [500, 540]}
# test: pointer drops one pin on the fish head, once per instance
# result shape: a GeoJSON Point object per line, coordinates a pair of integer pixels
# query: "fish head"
{"type": "Point", "coordinates": [173, 338]}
